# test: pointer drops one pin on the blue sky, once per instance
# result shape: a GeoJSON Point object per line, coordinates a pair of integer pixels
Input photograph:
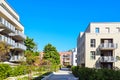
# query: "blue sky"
{"type": "Point", "coordinates": [59, 21]}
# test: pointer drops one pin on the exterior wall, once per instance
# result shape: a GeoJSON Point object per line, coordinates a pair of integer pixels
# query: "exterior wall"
{"type": "Point", "coordinates": [64, 60]}
{"type": "Point", "coordinates": [80, 49]}
{"type": "Point", "coordinates": [91, 63]}
{"type": "Point", "coordinates": [6, 12]}
{"type": "Point", "coordinates": [12, 32]}
{"type": "Point", "coordinates": [85, 48]}
{"type": "Point", "coordinates": [73, 57]}
{"type": "Point", "coordinates": [102, 27]}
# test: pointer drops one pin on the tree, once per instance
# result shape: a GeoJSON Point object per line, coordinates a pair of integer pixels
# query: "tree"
{"type": "Point", "coordinates": [30, 44]}
{"type": "Point", "coordinates": [51, 54]}
{"type": "Point", "coordinates": [4, 50]}
{"type": "Point", "coordinates": [31, 57]}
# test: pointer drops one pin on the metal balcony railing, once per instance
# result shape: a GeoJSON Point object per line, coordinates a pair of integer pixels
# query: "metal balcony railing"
{"type": "Point", "coordinates": [108, 46]}
{"type": "Point", "coordinates": [19, 33]}
{"type": "Point", "coordinates": [108, 59]}
{"type": "Point", "coordinates": [17, 58]}
{"type": "Point", "coordinates": [7, 40]}
{"type": "Point", "coordinates": [20, 46]}
{"type": "Point", "coordinates": [6, 25]}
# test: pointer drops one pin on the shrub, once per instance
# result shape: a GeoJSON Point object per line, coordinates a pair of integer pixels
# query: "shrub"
{"type": "Point", "coordinates": [19, 70]}
{"type": "Point", "coordinates": [68, 66]}
{"type": "Point", "coordinates": [95, 74]}
{"type": "Point", "coordinates": [5, 70]}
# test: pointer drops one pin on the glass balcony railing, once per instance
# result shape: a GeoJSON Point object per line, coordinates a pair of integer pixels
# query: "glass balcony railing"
{"type": "Point", "coordinates": [20, 46]}
{"type": "Point", "coordinates": [19, 33]}
{"type": "Point", "coordinates": [6, 25]}
{"type": "Point", "coordinates": [108, 59]}
{"type": "Point", "coordinates": [108, 46]}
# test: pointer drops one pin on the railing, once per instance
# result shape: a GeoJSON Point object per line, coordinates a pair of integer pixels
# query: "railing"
{"type": "Point", "coordinates": [20, 46]}
{"type": "Point", "coordinates": [108, 59]}
{"type": "Point", "coordinates": [7, 40]}
{"type": "Point", "coordinates": [17, 58]}
{"type": "Point", "coordinates": [108, 46]}
{"type": "Point", "coordinates": [17, 32]}
{"type": "Point", "coordinates": [7, 25]}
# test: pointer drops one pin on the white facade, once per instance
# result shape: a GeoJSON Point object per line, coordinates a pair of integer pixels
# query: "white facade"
{"type": "Point", "coordinates": [98, 46]}
{"type": "Point", "coordinates": [74, 57]}
{"type": "Point", "coordinates": [12, 32]}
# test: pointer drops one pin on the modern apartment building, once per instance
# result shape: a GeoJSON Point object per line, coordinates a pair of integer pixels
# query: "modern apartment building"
{"type": "Point", "coordinates": [99, 46]}
{"type": "Point", "coordinates": [12, 32]}
{"type": "Point", "coordinates": [74, 57]}
{"type": "Point", "coordinates": [65, 58]}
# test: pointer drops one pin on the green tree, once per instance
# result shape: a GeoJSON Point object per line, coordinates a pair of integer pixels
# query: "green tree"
{"type": "Point", "coordinates": [31, 57]}
{"type": "Point", "coordinates": [4, 50]}
{"type": "Point", "coordinates": [51, 54]}
{"type": "Point", "coordinates": [30, 44]}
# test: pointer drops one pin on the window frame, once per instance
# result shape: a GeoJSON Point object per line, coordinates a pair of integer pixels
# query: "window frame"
{"type": "Point", "coordinates": [92, 43]}
{"type": "Point", "coordinates": [108, 29]}
{"type": "Point", "coordinates": [92, 55]}
{"type": "Point", "coordinates": [97, 30]}
{"type": "Point", "coordinates": [118, 29]}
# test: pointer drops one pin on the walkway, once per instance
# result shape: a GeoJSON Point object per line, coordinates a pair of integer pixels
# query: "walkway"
{"type": "Point", "coordinates": [63, 74]}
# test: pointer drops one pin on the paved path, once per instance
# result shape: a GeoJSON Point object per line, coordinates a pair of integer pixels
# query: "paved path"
{"type": "Point", "coordinates": [63, 74]}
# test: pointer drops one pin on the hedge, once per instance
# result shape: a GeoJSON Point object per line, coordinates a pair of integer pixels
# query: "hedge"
{"type": "Point", "coordinates": [95, 74]}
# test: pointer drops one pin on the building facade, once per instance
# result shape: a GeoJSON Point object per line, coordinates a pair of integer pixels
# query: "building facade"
{"type": "Point", "coordinates": [12, 32]}
{"type": "Point", "coordinates": [99, 46]}
{"type": "Point", "coordinates": [74, 57]}
{"type": "Point", "coordinates": [65, 58]}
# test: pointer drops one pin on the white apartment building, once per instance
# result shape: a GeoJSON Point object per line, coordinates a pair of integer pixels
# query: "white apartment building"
{"type": "Point", "coordinates": [74, 57]}
{"type": "Point", "coordinates": [99, 46]}
{"type": "Point", "coordinates": [12, 32]}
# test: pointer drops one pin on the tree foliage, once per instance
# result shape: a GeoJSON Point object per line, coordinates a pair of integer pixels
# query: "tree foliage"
{"type": "Point", "coordinates": [31, 57]}
{"type": "Point", "coordinates": [51, 54]}
{"type": "Point", "coordinates": [30, 44]}
{"type": "Point", "coordinates": [4, 50]}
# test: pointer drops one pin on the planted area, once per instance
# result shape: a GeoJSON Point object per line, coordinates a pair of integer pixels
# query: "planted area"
{"type": "Point", "coordinates": [7, 71]}
{"type": "Point", "coordinates": [95, 74]}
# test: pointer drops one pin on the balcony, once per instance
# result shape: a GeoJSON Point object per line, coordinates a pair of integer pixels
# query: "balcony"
{"type": "Point", "coordinates": [6, 26]}
{"type": "Point", "coordinates": [10, 17]}
{"type": "Point", "coordinates": [107, 46]}
{"type": "Point", "coordinates": [20, 34]}
{"type": "Point", "coordinates": [66, 60]}
{"type": "Point", "coordinates": [108, 59]}
{"type": "Point", "coordinates": [7, 40]}
{"type": "Point", "coordinates": [17, 58]}
{"type": "Point", "coordinates": [20, 46]}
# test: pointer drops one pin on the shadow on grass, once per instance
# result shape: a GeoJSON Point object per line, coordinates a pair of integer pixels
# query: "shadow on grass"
{"type": "Point", "coordinates": [42, 76]}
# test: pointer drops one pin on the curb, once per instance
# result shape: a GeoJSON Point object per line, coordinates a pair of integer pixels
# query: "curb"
{"type": "Point", "coordinates": [46, 77]}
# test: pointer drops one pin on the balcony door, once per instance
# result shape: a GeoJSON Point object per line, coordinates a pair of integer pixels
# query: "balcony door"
{"type": "Point", "coordinates": [106, 53]}
{"type": "Point", "coordinates": [106, 40]}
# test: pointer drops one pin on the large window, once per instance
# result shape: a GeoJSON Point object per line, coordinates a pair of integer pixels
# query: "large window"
{"type": "Point", "coordinates": [92, 55]}
{"type": "Point", "coordinates": [92, 43]}
{"type": "Point", "coordinates": [97, 30]}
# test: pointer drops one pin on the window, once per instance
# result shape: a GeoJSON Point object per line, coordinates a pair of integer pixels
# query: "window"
{"type": "Point", "coordinates": [92, 55]}
{"type": "Point", "coordinates": [96, 30]}
{"type": "Point", "coordinates": [118, 29]}
{"type": "Point", "coordinates": [107, 29]}
{"type": "Point", "coordinates": [92, 43]}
